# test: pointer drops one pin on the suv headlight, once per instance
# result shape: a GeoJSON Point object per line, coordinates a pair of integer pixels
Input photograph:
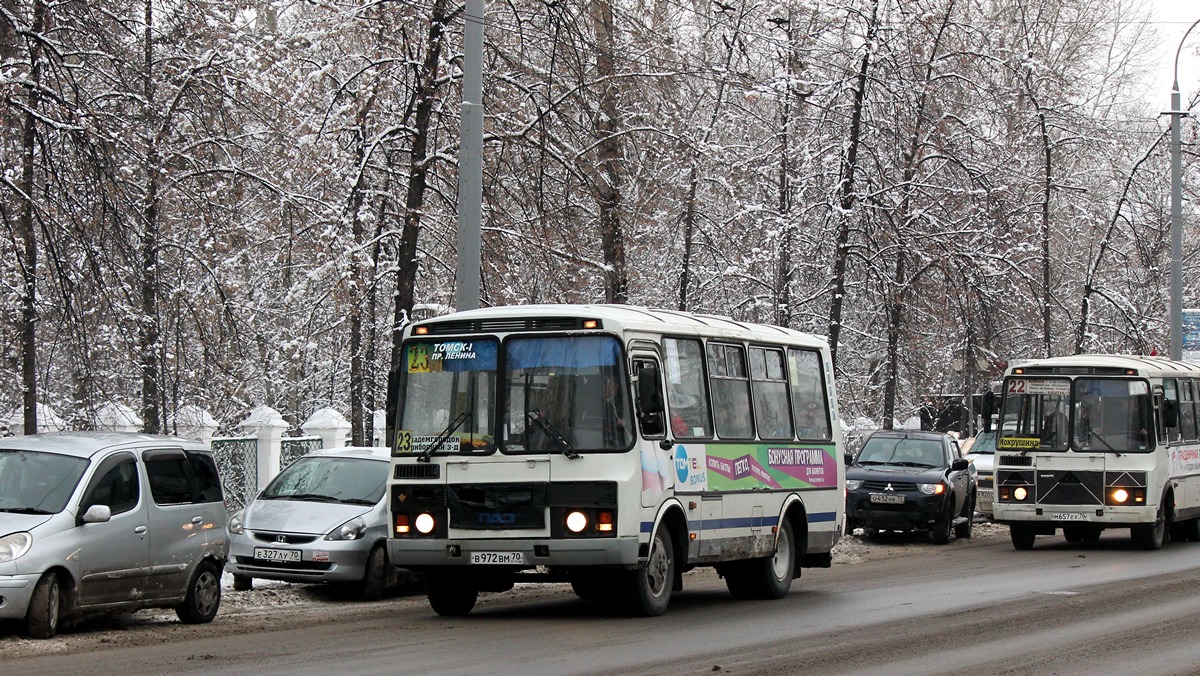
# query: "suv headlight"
{"type": "Point", "coordinates": [853, 484]}
{"type": "Point", "coordinates": [932, 489]}
{"type": "Point", "coordinates": [351, 530]}
{"type": "Point", "coordinates": [14, 546]}
{"type": "Point", "coordinates": [235, 523]}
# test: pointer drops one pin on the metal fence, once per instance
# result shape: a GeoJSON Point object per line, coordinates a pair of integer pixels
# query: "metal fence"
{"type": "Point", "coordinates": [237, 459]}
{"type": "Point", "coordinates": [292, 448]}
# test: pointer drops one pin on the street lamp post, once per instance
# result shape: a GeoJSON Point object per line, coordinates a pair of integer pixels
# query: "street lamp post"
{"type": "Point", "coordinates": [1177, 210]}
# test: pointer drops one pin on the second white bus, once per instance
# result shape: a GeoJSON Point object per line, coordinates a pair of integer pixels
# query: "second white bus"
{"type": "Point", "coordinates": [1093, 442]}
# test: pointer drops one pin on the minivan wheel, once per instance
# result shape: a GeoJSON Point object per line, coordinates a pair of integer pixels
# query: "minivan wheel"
{"type": "Point", "coordinates": [243, 583]}
{"type": "Point", "coordinates": [203, 595]}
{"type": "Point", "coordinates": [41, 619]}
{"type": "Point", "coordinates": [375, 580]}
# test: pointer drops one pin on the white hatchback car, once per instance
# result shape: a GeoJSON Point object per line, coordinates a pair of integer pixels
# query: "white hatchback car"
{"type": "Point", "coordinates": [324, 518]}
{"type": "Point", "coordinates": [103, 521]}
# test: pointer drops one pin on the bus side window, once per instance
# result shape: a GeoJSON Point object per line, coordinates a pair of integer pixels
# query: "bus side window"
{"type": "Point", "coordinates": [686, 393]}
{"type": "Point", "coordinates": [768, 382]}
{"type": "Point", "coordinates": [730, 386]}
{"type": "Point", "coordinates": [1187, 412]}
{"type": "Point", "coordinates": [808, 394]}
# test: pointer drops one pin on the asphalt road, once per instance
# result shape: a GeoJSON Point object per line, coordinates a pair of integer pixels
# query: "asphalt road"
{"type": "Point", "coordinates": [907, 607]}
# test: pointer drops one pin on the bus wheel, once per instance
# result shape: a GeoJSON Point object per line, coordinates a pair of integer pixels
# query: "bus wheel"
{"type": "Point", "coordinates": [773, 575]}
{"type": "Point", "coordinates": [1022, 536]}
{"type": "Point", "coordinates": [450, 595]}
{"type": "Point", "coordinates": [1151, 536]}
{"type": "Point", "coordinates": [650, 585]}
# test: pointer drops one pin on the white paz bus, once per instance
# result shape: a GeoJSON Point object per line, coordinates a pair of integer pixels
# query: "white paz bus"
{"type": "Point", "coordinates": [614, 448]}
{"type": "Point", "coordinates": [1091, 442]}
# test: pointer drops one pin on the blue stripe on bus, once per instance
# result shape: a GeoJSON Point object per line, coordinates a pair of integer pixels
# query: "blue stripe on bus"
{"type": "Point", "coordinates": [744, 522]}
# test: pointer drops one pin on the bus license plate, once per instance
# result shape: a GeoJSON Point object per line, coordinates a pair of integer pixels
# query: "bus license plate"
{"type": "Point", "coordinates": [276, 554]}
{"type": "Point", "coordinates": [887, 498]}
{"type": "Point", "coordinates": [501, 558]}
{"type": "Point", "coordinates": [1069, 516]}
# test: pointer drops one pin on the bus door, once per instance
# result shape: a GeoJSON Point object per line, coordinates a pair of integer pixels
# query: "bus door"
{"type": "Point", "coordinates": [656, 455]}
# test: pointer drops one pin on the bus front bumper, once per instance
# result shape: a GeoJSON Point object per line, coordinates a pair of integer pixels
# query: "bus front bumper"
{"type": "Point", "coordinates": [1067, 515]}
{"type": "Point", "coordinates": [425, 553]}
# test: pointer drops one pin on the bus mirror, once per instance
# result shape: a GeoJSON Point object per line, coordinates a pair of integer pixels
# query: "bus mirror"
{"type": "Point", "coordinates": [989, 407]}
{"type": "Point", "coordinates": [649, 390]}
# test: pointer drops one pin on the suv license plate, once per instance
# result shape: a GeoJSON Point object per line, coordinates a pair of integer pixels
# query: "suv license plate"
{"type": "Point", "coordinates": [1069, 516]}
{"type": "Point", "coordinates": [502, 558]}
{"type": "Point", "coordinates": [887, 498]}
{"type": "Point", "coordinates": [276, 554]}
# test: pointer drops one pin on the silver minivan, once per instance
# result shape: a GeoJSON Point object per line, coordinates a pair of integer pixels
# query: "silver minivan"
{"type": "Point", "coordinates": [103, 521]}
{"type": "Point", "coordinates": [324, 518]}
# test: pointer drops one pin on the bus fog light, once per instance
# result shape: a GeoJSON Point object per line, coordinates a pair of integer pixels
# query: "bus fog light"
{"type": "Point", "coordinates": [576, 522]}
{"type": "Point", "coordinates": [424, 524]}
{"type": "Point", "coordinates": [1020, 494]}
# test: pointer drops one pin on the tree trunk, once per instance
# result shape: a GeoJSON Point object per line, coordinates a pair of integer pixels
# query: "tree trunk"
{"type": "Point", "coordinates": [414, 200]}
{"type": "Point", "coordinates": [26, 233]}
{"type": "Point", "coordinates": [846, 197]}
{"type": "Point", "coordinates": [148, 330]}
{"type": "Point", "coordinates": [607, 186]}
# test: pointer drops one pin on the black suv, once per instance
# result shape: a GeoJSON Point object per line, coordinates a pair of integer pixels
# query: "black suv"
{"type": "Point", "coordinates": [910, 480]}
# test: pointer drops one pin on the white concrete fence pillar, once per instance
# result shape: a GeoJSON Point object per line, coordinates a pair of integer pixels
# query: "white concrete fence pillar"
{"type": "Point", "coordinates": [193, 422]}
{"type": "Point", "coordinates": [267, 425]}
{"type": "Point", "coordinates": [115, 417]}
{"type": "Point", "coordinates": [380, 428]}
{"type": "Point", "coordinates": [328, 424]}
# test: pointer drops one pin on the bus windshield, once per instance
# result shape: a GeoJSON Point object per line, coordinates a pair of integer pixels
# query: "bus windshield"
{"type": "Point", "coordinates": [449, 397]}
{"type": "Point", "coordinates": [566, 394]}
{"type": "Point", "coordinates": [1089, 414]}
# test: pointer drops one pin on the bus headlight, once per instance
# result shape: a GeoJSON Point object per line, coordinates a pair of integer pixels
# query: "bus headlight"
{"type": "Point", "coordinates": [1019, 494]}
{"type": "Point", "coordinates": [424, 523]}
{"type": "Point", "coordinates": [576, 522]}
{"type": "Point", "coordinates": [1120, 496]}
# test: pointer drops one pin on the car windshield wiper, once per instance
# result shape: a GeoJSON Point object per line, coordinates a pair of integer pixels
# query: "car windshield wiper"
{"type": "Point", "coordinates": [539, 421]}
{"type": "Point", "coordinates": [24, 510]}
{"type": "Point", "coordinates": [872, 462]}
{"type": "Point", "coordinates": [307, 497]}
{"type": "Point", "coordinates": [441, 438]}
{"type": "Point", "coordinates": [358, 501]}
{"type": "Point", "coordinates": [906, 463]}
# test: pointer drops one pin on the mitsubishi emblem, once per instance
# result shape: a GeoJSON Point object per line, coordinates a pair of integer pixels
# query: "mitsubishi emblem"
{"type": "Point", "coordinates": [889, 487]}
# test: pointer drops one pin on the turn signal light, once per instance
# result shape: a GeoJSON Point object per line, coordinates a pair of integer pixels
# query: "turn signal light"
{"type": "Point", "coordinates": [402, 527]}
{"type": "Point", "coordinates": [604, 522]}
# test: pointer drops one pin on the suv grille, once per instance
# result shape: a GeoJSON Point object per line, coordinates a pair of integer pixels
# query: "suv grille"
{"type": "Point", "coordinates": [897, 486]}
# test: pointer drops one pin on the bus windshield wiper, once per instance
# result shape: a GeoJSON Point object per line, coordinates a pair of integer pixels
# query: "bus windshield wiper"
{"type": "Point", "coordinates": [441, 438]}
{"type": "Point", "coordinates": [539, 421]}
{"type": "Point", "coordinates": [1091, 433]}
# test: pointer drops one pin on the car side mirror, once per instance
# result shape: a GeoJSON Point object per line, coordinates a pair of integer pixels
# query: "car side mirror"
{"type": "Point", "coordinates": [960, 464]}
{"type": "Point", "coordinates": [97, 514]}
